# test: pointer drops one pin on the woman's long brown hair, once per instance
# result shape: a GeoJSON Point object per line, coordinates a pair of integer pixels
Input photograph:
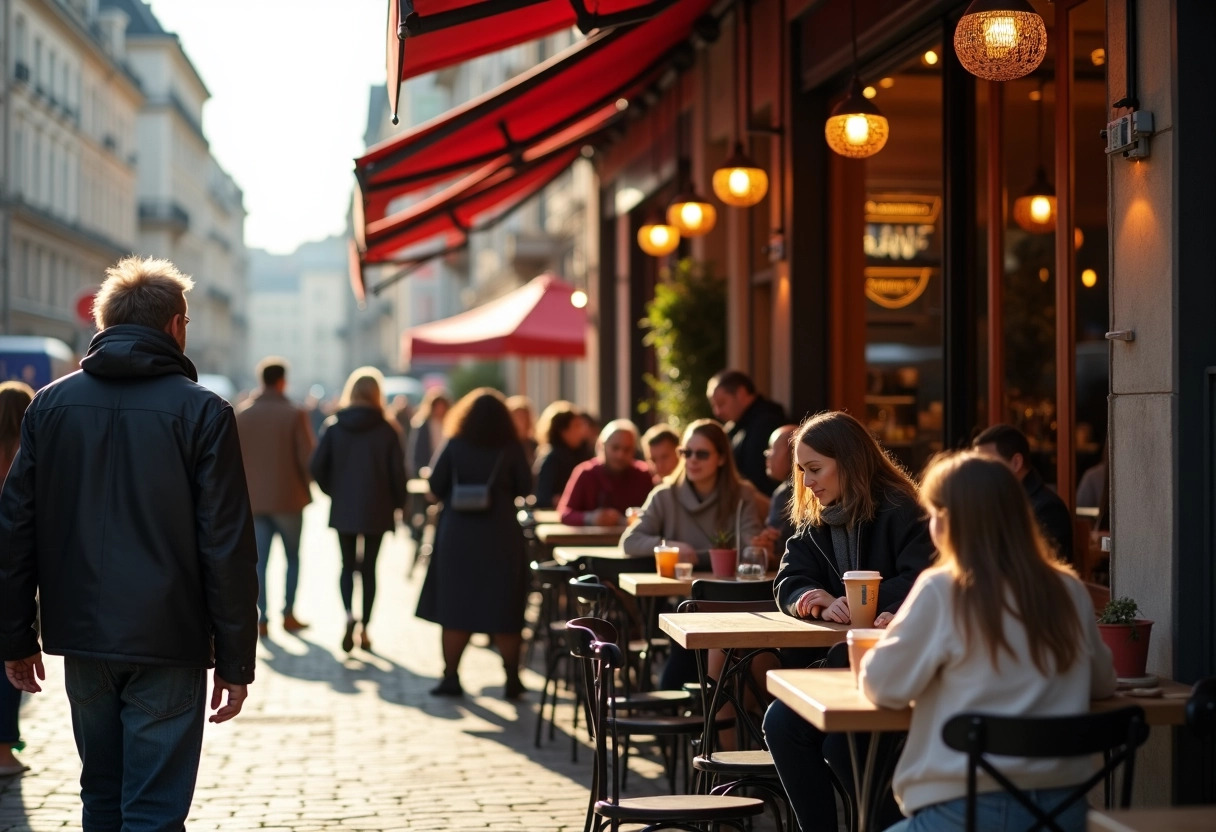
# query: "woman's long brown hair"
{"type": "Point", "coordinates": [729, 484]}
{"type": "Point", "coordinates": [864, 469]}
{"type": "Point", "coordinates": [988, 538]}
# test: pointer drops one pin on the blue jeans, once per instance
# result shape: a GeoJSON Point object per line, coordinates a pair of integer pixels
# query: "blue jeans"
{"type": "Point", "coordinates": [995, 812]}
{"type": "Point", "coordinates": [10, 704]}
{"type": "Point", "coordinates": [287, 527]}
{"type": "Point", "coordinates": [139, 732]}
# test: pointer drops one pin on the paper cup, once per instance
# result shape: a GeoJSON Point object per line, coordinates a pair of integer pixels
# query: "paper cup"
{"type": "Point", "coordinates": [861, 590]}
{"type": "Point", "coordinates": [860, 641]}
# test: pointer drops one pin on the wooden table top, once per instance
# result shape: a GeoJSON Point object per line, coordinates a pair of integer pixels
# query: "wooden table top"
{"type": "Point", "coordinates": [654, 585]}
{"type": "Point", "coordinates": [1175, 819]}
{"type": "Point", "coordinates": [558, 534]}
{"type": "Point", "coordinates": [703, 630]}
{"type": "Point", "coordinates": [830, 700]}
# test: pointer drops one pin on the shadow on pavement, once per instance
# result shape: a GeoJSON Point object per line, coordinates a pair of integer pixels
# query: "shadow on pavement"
{"type": "Point", "coordinates": [12, 803]}
{"type": "Point", "coordinates": [316, 664]}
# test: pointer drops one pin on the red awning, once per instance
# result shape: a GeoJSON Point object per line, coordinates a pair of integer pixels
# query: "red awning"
{"type": "Point", "coordinates": [529, 110]}
{"type": "Point", "coordinates": [536, 320]}
{"type": "Point", "coordinates": [440, 33]}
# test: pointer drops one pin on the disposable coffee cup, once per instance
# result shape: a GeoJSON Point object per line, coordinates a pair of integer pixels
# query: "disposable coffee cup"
{"type": "Point", "coordinates": [861, 591]}
{"type": "Point", "coordinates": [860, 641]}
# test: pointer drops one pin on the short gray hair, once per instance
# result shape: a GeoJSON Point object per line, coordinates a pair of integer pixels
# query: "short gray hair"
{"type": "Point", "coordinates": [618, 426]}
{"type": "Point", "coordinates": [144, 291]}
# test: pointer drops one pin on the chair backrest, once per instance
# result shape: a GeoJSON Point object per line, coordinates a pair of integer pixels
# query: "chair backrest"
{"type": "Point", "coordinates": [707, 590]}
{"type": "Point", "coordinates": [1201, 707]}
{"type": "Point", "coordinates": [591, 596]}
{"type": "Point", "coordinates": [1115, 734]}
{"type": "Point", "coordinates": [600, 658]}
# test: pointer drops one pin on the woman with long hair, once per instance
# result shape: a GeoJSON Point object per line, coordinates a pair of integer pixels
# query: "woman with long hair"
{"type": "Point", "coordinates": [15, 397]}
{"type": "Point", "coordinates": [426, 434]}
{"type": "Point", "coordinates": [477, 580]}
{"type": "Point", "coordinates": [358, 464]}
{"type": "Point", "coordinates": [853, 508]}
{"type": "Point", "coordinates": [998, 625]}
{"type": "Point", "coordinates": [563, 432]}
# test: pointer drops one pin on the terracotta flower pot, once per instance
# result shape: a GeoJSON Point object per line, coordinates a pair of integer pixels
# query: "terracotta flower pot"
{"type": "Point", "coordinates": [1128, 645]}
{"type": "Point", "coordinates": [723, 562]}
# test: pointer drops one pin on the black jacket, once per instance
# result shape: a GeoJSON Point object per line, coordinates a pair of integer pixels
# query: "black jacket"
{"type": "Point", "coordinates": [749, 438]}
{"type": "Point", "coordinates": [553, 470]}
{"type": "Point", "coordinates": [358, 463]}
{"type": "Point", "coordinates": [1054, 518]}
{"type": "Point", "coordinates": [126, 509]}
{"type": "Point", "coordinates": [896, 543]}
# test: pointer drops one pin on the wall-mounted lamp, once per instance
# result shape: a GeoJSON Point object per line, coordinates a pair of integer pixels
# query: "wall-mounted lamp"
{"type": "Point", "coordinates": [1000, 40]}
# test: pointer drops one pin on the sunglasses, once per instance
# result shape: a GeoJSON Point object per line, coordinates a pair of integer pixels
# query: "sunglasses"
{"type": "Point", "coordinates": [700, 453]}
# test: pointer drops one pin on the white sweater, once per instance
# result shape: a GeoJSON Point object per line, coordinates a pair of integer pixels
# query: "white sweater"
{"type": "Point", "coordinates": [923, 658]}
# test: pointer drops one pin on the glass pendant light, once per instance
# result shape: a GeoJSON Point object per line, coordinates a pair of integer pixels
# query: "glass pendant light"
{"type": "Point", "coordinates": [856, 129]}
{"type": "Point", "coordinates": [1000, 40]}
{"type": "Point", "coordinates": [1035, 210]}
{"type": "Point", "coordinates": [657, 238]}
{"type": "Point", "coordinates": [690, 213]}
{"type": "Point", "coordinates": [739, 181]}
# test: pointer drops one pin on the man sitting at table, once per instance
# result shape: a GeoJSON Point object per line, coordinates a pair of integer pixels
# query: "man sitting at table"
{"type": "Point", "coordinates": [601, 489]}
{"type": "Point", "coordinates": [778, 464]}
{"type": "Point", "coordinates": [662, 447]}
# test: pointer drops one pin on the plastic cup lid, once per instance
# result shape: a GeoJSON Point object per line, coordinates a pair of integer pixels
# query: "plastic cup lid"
{"type": "Point", "coordinates": [861, 575]}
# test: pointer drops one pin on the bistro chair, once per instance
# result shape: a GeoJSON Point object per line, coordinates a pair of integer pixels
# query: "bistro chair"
{"type": "Point", "coordinates": [592, 644]}
{"type": "Point", "coordinates": [1114, 734]}
{"type": "Point", "coordinates": [726, 772]}
{"type": "Point", "coordinates": [550, 579]}
{"type": "Point", "coordinates": [1201, 708]}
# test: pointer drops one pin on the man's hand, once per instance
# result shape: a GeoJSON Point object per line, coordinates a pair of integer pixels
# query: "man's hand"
{"type": "Point", "coordinates": [812, 603]}
{"type": "Point", "coordinates": [838, 611]}
{"type": "Point", "coordinates": [236, 698]}
{"type": "Point", "coordinates": [883, 619]}
{"type": "Point", "coordinates": [605, 517]}
{"type": "Point", "coordinates": [25, 673]}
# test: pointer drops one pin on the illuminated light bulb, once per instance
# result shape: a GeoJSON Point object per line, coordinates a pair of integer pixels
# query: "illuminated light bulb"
{"type": "Point", "coordinates": [1040, 208]}
{"type": "Point", "coordinates": [691, 214]}
{"type": "Point", "coordinates": [1044, 274]}
{"type": "Point", "coordinates": [1036, 95]}
{"type": "Point", "coordinates": [856, 129]}
{"type": "Point", "coordinates": [1000, 40]}
{"type": "Point", "coordinates": [1035, 210]}
{"type": "Point", "coordinates": [739, 181]}
{"type": "Point", "coordinates": [578, 299]}
{"type": "Point", "coordinates": [660, 235]}
{"type": "Point", "coordinates": [869, 92]}
{"type": "Point", "coordinates": [1089, 278]}
{"type": "Point", "coordinates": [930, 58]}
{"type": "Point", "coordinates": [886, 83]}
{"type": "Point", "coordinates": [1098, 56]}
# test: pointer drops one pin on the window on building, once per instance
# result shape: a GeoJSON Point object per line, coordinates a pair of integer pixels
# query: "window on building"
{"type": "Point", "coordinates": [39, 69]}
{"type": "Point", "coordinates": [52, 75]}
{"type": "Point", "coordinates": [19, 45]}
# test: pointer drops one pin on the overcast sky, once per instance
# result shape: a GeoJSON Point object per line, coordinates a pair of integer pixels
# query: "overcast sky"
{"type": "Point", "coordinates": [289, 83]}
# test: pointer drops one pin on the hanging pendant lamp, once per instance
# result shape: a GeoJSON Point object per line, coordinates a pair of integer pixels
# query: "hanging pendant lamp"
{"type": "Point", "coordinates": [856, 128]}
{"type": "Point", "coordinates": [657, 238]}
{"type": "Point", "coordinates": [739, 181]}
{"type": "Point", "coordinates": [1035, 210]}
{"type": "Point", "coordinates": [692, 215]}
{"type": "Point", "coordinates": [1000, 40]}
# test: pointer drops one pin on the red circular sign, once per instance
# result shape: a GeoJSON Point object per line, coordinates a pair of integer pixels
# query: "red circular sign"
{"type": "Point", "coordinates": [84, 305]}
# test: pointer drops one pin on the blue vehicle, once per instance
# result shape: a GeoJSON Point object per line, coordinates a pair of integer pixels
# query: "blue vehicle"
{"type": "Point", "coordinates": [35, 360]}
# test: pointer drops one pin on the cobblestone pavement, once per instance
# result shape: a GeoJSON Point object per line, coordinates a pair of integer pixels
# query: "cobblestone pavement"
{"type": "Point", "coordinates": [331, 742]}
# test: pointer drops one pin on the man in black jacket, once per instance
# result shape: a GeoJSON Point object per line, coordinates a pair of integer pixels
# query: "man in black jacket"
{"type": "Point", "coordinates": [749, 419]}
{"type": "Point", "coordinates": [126, 511]}
{"type": "Point", "coordinates": [1008, 444]}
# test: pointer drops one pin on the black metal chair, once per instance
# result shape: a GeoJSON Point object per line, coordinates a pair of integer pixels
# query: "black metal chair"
{"type": "Point", "coordinates": [601, 659]}
{"type": "Point", "coordinates": [550, 579]}
{"type": "Point", "coordinates": [1114, 734]}
{"type": "Point", "coordinates": [1201, 707]}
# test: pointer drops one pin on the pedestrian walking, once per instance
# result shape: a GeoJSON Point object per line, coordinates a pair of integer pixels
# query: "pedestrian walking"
{"type": "Point", "coordinates": [426, 435]}
{"type": "Point", "coordinates": [15, 397]}
{"type": "Point", "coordinates": [277, 443]}
{"type": "Point", "coordinates": [477, 580]}
{"type": "Point", "coordinates": [358, 464]}
{"type": "Point", "coordinates": [126, 514]}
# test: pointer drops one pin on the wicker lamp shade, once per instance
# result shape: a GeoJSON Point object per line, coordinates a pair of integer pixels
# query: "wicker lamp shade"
{"type": "Point", "coordinates": [658, 239]}
{"type": "Point", "coordinates": [1035, 210]}
{"type": "Point", "coordinates": [740, 181]}
{"type": "Point", "coordinates": [856, 128]}
{"type": "Point", "coordinates": [692, 215]}
{"type": "Point", "coordinates": [1000, 40]}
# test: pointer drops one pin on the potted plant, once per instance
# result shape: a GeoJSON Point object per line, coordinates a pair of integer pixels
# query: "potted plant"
{"type": "Point", "coordinates": [1126, 636]}
{"type": "Point", "coordinates": [723, 557]}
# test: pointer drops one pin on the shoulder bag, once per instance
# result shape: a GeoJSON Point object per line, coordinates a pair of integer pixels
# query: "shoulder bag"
{"type": "Point", "coordinates": [472, 498]}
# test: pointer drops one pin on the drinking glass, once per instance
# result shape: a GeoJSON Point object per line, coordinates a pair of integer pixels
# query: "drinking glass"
{"type": "Point", "coordinates": [753, 563]}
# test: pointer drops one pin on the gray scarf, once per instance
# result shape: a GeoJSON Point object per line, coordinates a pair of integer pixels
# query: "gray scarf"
{"type": "Point", "coordinates": [844, 537]}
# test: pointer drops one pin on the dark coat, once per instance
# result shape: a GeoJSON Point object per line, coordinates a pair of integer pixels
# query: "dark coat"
{"type": "Point", "coordinates": [358, 463]}
{"type": "Point", "coordinates": [749, 437]}
{"type": "Point", "coordinates": [553, 470]}
{"type": "Point", "coordinates": [419, 450]}
{"type": "Point", "coordinates": [478, 575]}
{"type": "Point", "coordinates": [1053, 516]}
{"type": "Point", "coordinates": [126, 510]}
{"type": "Point", "coordinates": [895, 543]}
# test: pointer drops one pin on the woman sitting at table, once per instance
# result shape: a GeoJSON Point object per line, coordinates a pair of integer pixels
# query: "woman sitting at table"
{"type": "Point", "coordinates": [853, 508]}
{"type": "Point", "coordinates": [703, 498]}
{"type": "Point", "coordinates": [999, 626]}
{"type": "Point", "coordinates": [601, 490]}
{"type": "Point", "coordinates": [563, 430]}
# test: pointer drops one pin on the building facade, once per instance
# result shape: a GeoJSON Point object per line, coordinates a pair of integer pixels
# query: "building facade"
{"type": "Point", "coordinates": [69, 121]}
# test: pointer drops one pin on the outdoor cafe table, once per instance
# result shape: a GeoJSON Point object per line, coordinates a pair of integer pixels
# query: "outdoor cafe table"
{"type": "Point", "coordinates": [558, 534]}
{"type": "Point", "coordinates": [830, 700]}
